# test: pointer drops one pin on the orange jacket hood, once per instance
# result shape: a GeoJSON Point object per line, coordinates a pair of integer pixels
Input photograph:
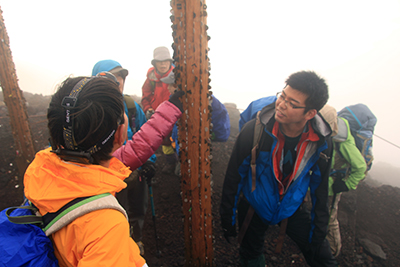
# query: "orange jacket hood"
{"type": "Point", "coordinates": [50, 182]}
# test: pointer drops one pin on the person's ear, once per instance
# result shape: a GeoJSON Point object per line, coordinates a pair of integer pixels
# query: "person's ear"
{"type": "Point", "coordinates": [311, 114]}
{"type": "Point", "coordinates": [120, 136]}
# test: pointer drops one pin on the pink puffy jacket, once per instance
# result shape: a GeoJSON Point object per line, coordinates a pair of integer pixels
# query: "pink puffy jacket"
{"type": "Point", "coordinates": [150, 136]}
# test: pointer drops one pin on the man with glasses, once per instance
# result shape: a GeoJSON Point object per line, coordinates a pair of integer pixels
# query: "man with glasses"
{"type": "Point", "coordinates": [292, 155]}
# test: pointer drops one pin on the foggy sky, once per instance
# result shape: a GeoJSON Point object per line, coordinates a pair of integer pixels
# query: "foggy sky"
{"type": "Point", "coordinates": [254, 46]}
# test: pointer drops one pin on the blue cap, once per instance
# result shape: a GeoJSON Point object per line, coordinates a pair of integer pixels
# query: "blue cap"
{"type": "Point", "coordinates": [111, 66]}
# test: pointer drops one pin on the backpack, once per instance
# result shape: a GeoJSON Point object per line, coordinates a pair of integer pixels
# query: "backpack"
{"type": "Point", "coordinates": [220, 120]}
{"type": "Point", "coordinates": [130, 104]}
{"type": "Point", "coordinates": [24, 232]}
{"type": "Point", "coordinates": [362, 124]}
{"type": "Point", "coordinates": [251, 111]}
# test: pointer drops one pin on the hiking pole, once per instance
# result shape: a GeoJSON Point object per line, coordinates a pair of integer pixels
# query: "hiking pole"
{"type": "Point", "coordinates": [154, 217]}
{"type": "Point", "coordinates": [148, 171]}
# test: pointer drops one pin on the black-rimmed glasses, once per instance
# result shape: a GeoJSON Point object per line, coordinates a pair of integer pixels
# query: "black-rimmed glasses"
{"type": "Point", "coordinates": [281, 97]}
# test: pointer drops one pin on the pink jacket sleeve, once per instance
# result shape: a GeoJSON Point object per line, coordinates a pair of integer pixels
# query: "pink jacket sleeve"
{"type": "Point", "coordinates": [150, 136]}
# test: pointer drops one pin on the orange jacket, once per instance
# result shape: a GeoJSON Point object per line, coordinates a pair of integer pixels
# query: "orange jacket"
{"type": "Point", "coordinates": [154, 91]}
{"type": "Point", "coordinates": [99, 238]}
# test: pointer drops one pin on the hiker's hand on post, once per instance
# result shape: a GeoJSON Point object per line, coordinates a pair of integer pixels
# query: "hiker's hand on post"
{"type": "Point", "coordinates": [148, 171]}
{"type": "Point", "coordinates": [339, 186]}
{"type": "Point", "coordinates": [174, 99]}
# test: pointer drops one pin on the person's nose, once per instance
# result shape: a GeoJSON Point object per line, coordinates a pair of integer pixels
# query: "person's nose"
{"type": "Point", "coordinates": [283, 104]}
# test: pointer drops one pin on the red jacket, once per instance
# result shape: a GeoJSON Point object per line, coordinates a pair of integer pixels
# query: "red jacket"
{"type": "Point", "coordinates": [154, 91]}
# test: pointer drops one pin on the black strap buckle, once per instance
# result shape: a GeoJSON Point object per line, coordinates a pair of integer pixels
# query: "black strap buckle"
{"type": "Point", "coordinates": [69, 102]}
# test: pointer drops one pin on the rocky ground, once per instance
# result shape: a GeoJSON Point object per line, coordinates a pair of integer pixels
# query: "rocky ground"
{"type": "Point", "coordinates": [369, 217]}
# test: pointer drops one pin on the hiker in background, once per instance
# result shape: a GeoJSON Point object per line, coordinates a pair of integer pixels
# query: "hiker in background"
{"type": "Point", "coordinates": [221, 126]}
{"type": "Point", "coordinates": [293, 153]}
{"type": "Point", "coordinates": [154, 92]}
{"type": "Point", "coordinates": [120, 73]}
{"type": "Point", "coordinates": [85, 160]}
{"type": "Point", "coordinates": [348, 169]}
{"type": "Point", "coordinates": [134, 198]}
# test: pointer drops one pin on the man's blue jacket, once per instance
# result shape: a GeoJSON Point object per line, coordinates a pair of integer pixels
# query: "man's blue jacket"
{"type": "Point", "coordinates": [311, 170]}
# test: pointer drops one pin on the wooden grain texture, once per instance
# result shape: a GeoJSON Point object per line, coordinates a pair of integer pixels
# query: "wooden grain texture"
{"type": "Point", "coordinates": [189, 23]}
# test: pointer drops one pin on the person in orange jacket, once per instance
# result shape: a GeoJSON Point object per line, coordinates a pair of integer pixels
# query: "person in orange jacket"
{"type": "Point", "coordinates": [88, 127]}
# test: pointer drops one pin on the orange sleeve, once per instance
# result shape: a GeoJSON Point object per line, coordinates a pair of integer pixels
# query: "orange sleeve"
{"type": "Point", "coordinates": [99, 238]}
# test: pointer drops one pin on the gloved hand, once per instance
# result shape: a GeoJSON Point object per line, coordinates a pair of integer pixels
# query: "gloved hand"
{"type": "Point", "coordinates": [148, 171]}
{"type": "Point", "coordinates": [229, 231]}
{"type": "Point", "coordinates": [339, 186]}
{"type": "Point", "coordinates": [149, 113]}
{"type": "Point", "coordinates": [174, 99]}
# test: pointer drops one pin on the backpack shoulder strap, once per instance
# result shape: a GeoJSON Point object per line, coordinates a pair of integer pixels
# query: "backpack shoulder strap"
{"type": "Point", "coordinates": [52, 222]}
{"type": "Point", "coordinates": [153, 85]}
{"type": "Point", "coordinates": [34, 218]}
{"type": "Point", "coordinates": [256, 140]}
{"type": "Point", "coordinates": [130, 104]}
{"type": "Point", "coordinates": [77, 208]}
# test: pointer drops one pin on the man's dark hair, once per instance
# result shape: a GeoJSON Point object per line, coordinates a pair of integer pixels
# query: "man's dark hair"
{"type": "Point", "coordinates": [98, 110]}
{"type": "Point", "coordinates": [310, 84]}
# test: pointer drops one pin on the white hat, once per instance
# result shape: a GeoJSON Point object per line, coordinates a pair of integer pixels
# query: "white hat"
{"type": "Point", "coordinates": [161, 54]}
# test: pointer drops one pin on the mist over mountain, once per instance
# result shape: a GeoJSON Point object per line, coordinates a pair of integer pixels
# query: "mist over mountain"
{"type": "Point", "coordinates": [381, 173]}
{"type": "Point", "coordinates": [385, 173]}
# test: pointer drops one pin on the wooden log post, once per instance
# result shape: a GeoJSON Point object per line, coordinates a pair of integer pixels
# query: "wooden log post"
{"type": "Point", "coordinates": [15, 102]}
{"type": "Point", "coordinates": [191, 61]}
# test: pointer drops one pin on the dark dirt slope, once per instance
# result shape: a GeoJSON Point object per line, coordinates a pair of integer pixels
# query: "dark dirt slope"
{"type": "Point", "coordinates": [376, 216]}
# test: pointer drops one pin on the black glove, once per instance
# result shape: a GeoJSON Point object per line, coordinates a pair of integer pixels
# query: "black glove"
{"type": "Point", "coordinates": [174, 99]}
{"type": "Point", "coordinates": [148, 171]}
{"type": "Point", "coordinates": [229, 232]}
{"type": "Point", "coordinates": [339, 186]}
